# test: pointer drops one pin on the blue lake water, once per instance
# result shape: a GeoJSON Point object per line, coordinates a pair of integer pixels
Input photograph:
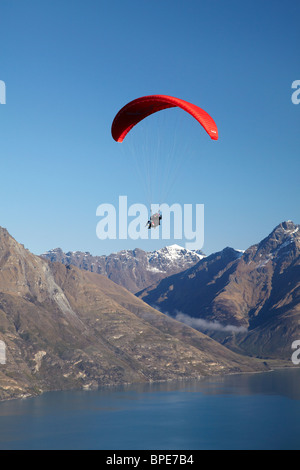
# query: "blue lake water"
{"type": "Point", "coordinates": [249, 411]}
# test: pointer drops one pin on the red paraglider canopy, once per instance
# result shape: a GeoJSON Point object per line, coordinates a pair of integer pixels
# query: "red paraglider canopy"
{"type": "Point", "coordinates": [137, 110]}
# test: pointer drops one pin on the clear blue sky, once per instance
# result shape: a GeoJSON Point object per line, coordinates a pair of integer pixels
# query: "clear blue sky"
{"type": "Point", "coordinates": [70, 65]}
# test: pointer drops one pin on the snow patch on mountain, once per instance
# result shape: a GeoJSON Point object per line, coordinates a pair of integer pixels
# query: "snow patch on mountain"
{"type": "Point", "coordinates": [173, 256]}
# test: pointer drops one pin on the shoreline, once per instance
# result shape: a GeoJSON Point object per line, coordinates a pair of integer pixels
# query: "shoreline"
{"type": "Point", "coordinates": [284, 365]}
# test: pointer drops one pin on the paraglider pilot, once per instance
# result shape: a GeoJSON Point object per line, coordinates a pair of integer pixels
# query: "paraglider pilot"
{"type": "Point", "coordinates": [154, 220]}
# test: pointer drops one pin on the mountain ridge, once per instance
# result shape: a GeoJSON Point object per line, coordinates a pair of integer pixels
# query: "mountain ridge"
{"type": "Point", "coordinates": [66, 328]}
{"type": "Point", "coordinates": [258, 291]}
{"type": "Point", "coordinates": [132, 269]}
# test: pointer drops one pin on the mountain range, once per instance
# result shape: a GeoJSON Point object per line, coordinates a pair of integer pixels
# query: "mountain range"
{"type": "Point", "coordinates": [67, 328]}
{"type": "Point", "coordinates": [249, 300]}
{"type": "Point", "coordinates": [132, 269]}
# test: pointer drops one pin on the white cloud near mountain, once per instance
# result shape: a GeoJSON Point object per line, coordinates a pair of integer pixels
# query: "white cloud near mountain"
{"type": "Point", "coordinates": [201, 324]}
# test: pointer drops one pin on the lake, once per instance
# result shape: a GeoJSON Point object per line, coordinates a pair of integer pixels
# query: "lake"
{"type": "Point", "coordinates": [247, 411]}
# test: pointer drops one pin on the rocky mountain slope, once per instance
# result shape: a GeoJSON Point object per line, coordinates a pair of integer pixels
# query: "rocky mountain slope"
{"type": "Point", "coordinates": [250, 300]}
{"type": "Point", "coordinates": [67, 328]}
{"type": "Point", "coordinates": [132, 269]}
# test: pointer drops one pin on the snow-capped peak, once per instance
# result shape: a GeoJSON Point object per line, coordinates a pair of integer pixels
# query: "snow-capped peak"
{"type": "Point", "coordinates": [172, 257]}
{"type": "Point", "coordinates": [175, 247]}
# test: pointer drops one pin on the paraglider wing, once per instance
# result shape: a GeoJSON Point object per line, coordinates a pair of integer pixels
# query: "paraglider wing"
{"type": "Point", "coordinates": [137, 110]}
